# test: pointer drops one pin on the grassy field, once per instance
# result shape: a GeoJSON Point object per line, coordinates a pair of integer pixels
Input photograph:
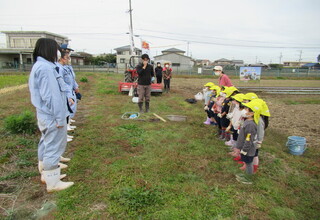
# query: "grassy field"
{"type": "Point", "coordinates": [148, 169]}
{"type": "Point", "coordinates": [13, 80]}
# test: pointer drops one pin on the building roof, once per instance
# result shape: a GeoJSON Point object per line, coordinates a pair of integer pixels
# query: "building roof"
{"type": "Point", "coordinates": [311, 65]}
{"type": "Point", "coordinates": [33, 32]}
{"type": "Point", "coordinates": [173, 50]}
{"type": "Point", "coordinates": [16, 50]}
{"type": "Point", "coordinates": [126, 48]}
{"type": "Point", "coordinates": [222, 60]}
{"type": "Point", "coordinates": [174, 53]}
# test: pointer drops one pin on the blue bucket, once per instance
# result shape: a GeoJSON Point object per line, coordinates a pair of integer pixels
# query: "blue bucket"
{"type": "Point", "coordinates": [297, 145]}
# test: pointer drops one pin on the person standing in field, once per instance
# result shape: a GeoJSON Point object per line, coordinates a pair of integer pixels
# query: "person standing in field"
{"type": "Point", "coordinates": [158, 71]}
{"type": "Point", "coordinates": [145, 72]}
{"type": "Point", "coordinates": [50, 103]}
{"type": "Point", "coordinates": [224, 80]}
{"type": "Point", "coordinates": [167, 75]}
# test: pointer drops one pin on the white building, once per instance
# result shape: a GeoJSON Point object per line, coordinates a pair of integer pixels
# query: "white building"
{"type": "Point", "coordinates": [20, 45]}
{"type": "Point", "coordinates": [123, 56]}
{"type": "Point", "coordinates": [179, 62]}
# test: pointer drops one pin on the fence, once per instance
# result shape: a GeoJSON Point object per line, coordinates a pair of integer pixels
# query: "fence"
{"type": "Point", "coordinates": [181, 70]}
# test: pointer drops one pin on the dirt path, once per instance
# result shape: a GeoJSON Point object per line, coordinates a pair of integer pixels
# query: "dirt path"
{"type": "Point", "coordinates": [12, 88]}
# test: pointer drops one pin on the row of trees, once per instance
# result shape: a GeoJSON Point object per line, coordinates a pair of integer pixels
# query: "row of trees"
{"type": "Point", "coordinates": [101, 60]}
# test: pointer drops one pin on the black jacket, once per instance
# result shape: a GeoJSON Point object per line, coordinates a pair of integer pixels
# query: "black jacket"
{"type": "Point", "coordinates": [158, 71]}
{"type": "Point", "coordinates": [145, 74]}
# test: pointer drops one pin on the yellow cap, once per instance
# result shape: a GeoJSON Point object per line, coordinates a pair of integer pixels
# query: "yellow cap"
{"type": "Point", "coordinates": [238, 97]}
{"type": "Point", "coordinates": [250, 96]}
{"type": "Point", "coordinates": [256, 107]}
{"type": "Point", "coordinates": [265, 108]}
{"type": "Point", "coordinates": [209, 84]}
{"type": "Point", "coordinates": [230, 90]}
{"type": "Point", "coordinates": [216, 88]}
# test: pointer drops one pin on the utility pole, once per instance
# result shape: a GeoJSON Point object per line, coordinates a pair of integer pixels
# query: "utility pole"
{"type": "Point", "coordinates": [187, 48]}
{"type": "Point", "coordinates": [131, 31]}
{"type": "Point", "coordinates": [280, 58]}
{"type": "Point", "coordinates": [300, 57]}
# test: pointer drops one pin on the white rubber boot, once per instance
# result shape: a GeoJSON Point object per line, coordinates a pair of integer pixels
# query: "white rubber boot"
{"type": "Point", "coordinates": [52, 179]}
{"type": "Point", "coordinates": [69, 139]}
{"type": "Point", "coordinates": [69, 128]}
{"type": "Point", "coordinates": [64, 159]}
{"type": "Point", "coordinates": [44, 181]}
{"type": "Point", "coordinates": [71, 120]}
{"type": "Point", "coordinates": [62, 165]}
{"type": "Point", "coordinates": [69, 136]}
{"type": "Point", "coordinates": [40, 168]}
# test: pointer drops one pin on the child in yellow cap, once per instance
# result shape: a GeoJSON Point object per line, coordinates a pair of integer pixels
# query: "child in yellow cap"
{"type": "Point", "coordinates": [247, 139]}
{"type": "Point", "coordinates": [229, 91]}
{"type": "Point", "coordinates": [234, 117]}
{"type": "Point", "coordinates": [207, 95]}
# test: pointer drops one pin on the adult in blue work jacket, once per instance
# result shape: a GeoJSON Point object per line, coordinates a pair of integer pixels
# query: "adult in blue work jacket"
{"type": "Point", "coordinates": [48, 99]}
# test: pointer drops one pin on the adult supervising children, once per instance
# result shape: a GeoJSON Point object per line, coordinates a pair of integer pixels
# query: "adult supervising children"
{"type": "Point", "coordinates": [50, 104]}
{"type": "Point", "coordinates": [224, 80]}
{"type": "Point", "coordinates": [145, 72]}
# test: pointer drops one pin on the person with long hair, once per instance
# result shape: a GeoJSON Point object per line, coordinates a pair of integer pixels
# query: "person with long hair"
{"type": "Point", "coordinates": [50, 103]}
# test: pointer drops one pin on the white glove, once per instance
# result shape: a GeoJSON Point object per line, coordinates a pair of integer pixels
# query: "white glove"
{"type": "Point", "coordinates": [258, 145]}
{"type": "Point", "coordinates": [229, 115]}
{"type": "Point", "coordinates": [243, 152]}
{"type": "Point", "coordinates": [219, 115]}
{"type": "Point", "coordinates": [206, 108]}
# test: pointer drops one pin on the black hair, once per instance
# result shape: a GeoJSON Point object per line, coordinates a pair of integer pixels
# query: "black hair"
{"type": "Point", "coordinates": [158, 63]}
{"type": "Point", "coordinates": [47, 49]}
{"type": "Point", "coordinates": [266, 121]}
{"type": "Point", "coordinates": [235, 93]}
{"type": "Point", "coordinates": [241, 105]}
{"type": "Point", "coordinates": [145, 56]}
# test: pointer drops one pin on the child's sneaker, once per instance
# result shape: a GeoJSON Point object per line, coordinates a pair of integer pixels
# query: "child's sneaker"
{"type": "Point", "coordinates": [229, 143]}
{"type": "Point", "coordinates": [207, 122]}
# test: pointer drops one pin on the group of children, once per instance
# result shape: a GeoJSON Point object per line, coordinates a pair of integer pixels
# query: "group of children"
{"type": "Point", "coordinates": [241, 120]}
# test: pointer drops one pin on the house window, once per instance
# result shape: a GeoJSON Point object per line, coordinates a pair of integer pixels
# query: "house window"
{"type": "Point", "coordinates": [122, 60]}
{"type": "Point", "coordinates": [28, 60]}
{"type": "Point", "coordinates": [175, 64]}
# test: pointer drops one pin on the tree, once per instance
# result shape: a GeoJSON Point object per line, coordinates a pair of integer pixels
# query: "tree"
{"type": "Point", "coordinates": [103, 59]}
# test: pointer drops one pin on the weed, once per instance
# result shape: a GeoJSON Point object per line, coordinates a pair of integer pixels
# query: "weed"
{"type": "Point", "coordinates": [84, 79]}
{"type": "Point", "coordinates": [137, 199]}
{"type": "Point", "coordinates": [23, 123]}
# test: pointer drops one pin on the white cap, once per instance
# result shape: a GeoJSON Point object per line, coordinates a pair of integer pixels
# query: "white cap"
{"type": "Point", "coordinates": [218, 68]}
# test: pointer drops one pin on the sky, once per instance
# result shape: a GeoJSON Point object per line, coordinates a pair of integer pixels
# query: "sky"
{"type": "Point", "coordinates": [266, 31]}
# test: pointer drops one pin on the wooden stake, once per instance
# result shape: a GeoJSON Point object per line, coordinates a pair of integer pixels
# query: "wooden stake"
{"type": "Point", "coordinates": [159, 117]}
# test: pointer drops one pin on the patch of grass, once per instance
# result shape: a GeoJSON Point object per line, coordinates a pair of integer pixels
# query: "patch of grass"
{"type": "Point", "coordinates": [303, 102]}
{"type": "Point", "coordinates": [137, 200]}
{"type": "Point", "coordinates": [23, 123]}
{"type": "Point", "coordinates": [13, 80]}
{"type": "Point", "coordinates": [18, 174]}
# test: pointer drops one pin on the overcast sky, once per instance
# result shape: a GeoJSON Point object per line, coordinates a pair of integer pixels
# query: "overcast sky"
{"type": "Point", "coordinates": [251, 30]}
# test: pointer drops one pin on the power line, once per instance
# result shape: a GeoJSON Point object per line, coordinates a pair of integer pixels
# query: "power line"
{"type": "Point", "coordinates": [220, 38]}
{"type": "Point", "coordinates": [229, 44]}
